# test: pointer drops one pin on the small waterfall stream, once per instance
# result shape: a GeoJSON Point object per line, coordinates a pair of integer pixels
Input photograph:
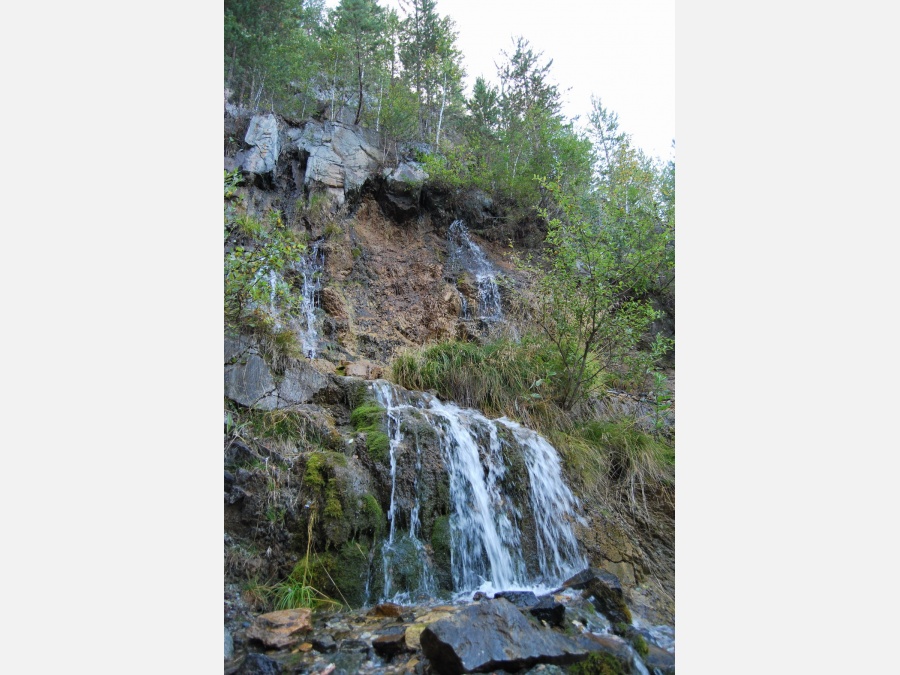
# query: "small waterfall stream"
{"type": "Point", "coordinates": [310, 267]}
{"type": "Point", "coordinates": [509, 520]}
{"type": "Point", "coordinates": [468, 254]}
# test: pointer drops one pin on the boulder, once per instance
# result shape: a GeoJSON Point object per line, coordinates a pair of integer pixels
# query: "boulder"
{"type": "Point", "coordinates": [324, 168]}
{"type": "Point", "coordinates": [549, 610]}
{"type": "Point", "coordinates": [521, 599]}
{"type": "Point", "coordinates": [259, 664]}
{"type": "Point", "coordinates": [391, 644]}
{"type": "Point", "coordinates": [341, 157]}
{"type": "Point", "coordinates": [605, 590]}
{"type": "Point", "coordinates": [389, 609]}
{"type": "Point", "coordinates": [358, 149]}
{"type": "Point", "coordinates": [408, 177]}
{"type": "Point", "coordinates": [363, 369]}
{"type": "Point", "coordinates": [262, 134]}
{"type": "Point", "coordinates": [280, 629]}
{"type": "Point", "coordinates": [493, 634]}
{"type": "Point", "coordinates": [249, 382]}
{"type": "Point", "coordinates": [300, 384]}
{"type": "Point", "coordinates": [323, 644]}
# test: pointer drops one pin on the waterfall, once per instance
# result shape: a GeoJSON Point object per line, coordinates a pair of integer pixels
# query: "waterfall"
{"type": "Point", "coordinates": [468, 254]}
{"type": "Point", "coordinates": [402, 550]}
{"type": "Point", "coordinates": [509, 508]}
{"type": "Point", "coordinates": [310, 267]}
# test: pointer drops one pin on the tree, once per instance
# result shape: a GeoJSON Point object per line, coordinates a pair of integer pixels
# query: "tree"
{"type": "Point", "coordinates": [272, 51]}
{"type": "Point", "coordinates": [432, 63]}
{"type": "Point", "coordinates": [586, 304]}
{"type": "Point", "coordinates": [361, 23]}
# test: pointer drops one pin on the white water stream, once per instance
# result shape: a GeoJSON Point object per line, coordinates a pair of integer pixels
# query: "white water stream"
{"type": "Point", "coordinates": [310, 267]}
{"type": "Point", "coordinates": [468, 254]}
{"type": "Point", "coordinates": [488, 552]}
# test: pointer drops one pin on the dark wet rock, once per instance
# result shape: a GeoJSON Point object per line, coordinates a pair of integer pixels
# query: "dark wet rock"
{"type": "Point", "coordinates": [580, 580]}
{"type": "Point", "coordinates": [583, 612]}
{"type": "Point", "coordinates": [237, 454]}
{"type": "Point", "coordinates": [605, 589]}
{"type": "Point", "coordinates": [549, 610]}
{"type": "Point", "coordinates": [389, 609]}
{"type": "Point", "coordinates": [491, 635]}
{"type": "Point", "coordinates": [259, 664]}
{"type": "Point", "coordinates": [353, 646]}
{"type": "Point", "coordinates": [521, 599]}
{"type": "Point", "coordinates": [479, 596]}
{"type": "Point", "coordinates": [324, 644]}
{"type": "Point", "coordinates": [659, 661]}
{"type": "Point", "coordinates": [391, 644]}
{"type": "Point", "coordinates": [346, 663]}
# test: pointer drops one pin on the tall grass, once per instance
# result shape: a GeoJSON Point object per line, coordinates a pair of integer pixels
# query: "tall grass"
{"type": "Point", "coordinates": [501, 377]}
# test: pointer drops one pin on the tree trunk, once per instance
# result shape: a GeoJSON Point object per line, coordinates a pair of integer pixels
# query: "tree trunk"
{"type": "Point", "coordinates": [437, 138]}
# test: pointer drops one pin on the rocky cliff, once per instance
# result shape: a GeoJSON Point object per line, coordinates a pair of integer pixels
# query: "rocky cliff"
{"type": "Point", "coordinates": [314, 474]}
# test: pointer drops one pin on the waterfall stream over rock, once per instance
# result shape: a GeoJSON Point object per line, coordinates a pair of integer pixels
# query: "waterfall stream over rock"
{"type": "Point", "coordinates": [310, 267]}
{"type": "Point", "coordinates": [468, 254]}
{"type": "Point", "coordinates": [509, 508]}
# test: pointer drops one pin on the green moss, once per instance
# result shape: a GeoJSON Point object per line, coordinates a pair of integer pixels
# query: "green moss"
{"type": "Point", "coordinates": [640, 645]}
{"type": "Point", "coordinates": [378, 445]}
{"type": "Point", "coordinates": [440, 541]}
{"type": "Point", "coordinates": [373, 515]}
{"type": "Point", "coordinates": [351, 572]}
{"type": "Point", "coordinates": [367, 416]}
{"type": "Point", "coordinates": [313, 475]}
{"type": "Point", "coordinates": [440, 550]}
{"type": "Point", "coordinates": [333, 508]}
{"type": "Point", "coordinates": [598, 663]}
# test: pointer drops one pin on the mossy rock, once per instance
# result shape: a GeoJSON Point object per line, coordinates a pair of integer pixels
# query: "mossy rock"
{"type": "Point", "coordinates": [440, 547]}
{"type": "Point", "coordinates": [373, 516]}
{"type": "Point", "coordinates": [598, 663]}
{"type": "Point", "coordinates": [378, 445]}
{"type": "Point", "coordinates": [351, 572]}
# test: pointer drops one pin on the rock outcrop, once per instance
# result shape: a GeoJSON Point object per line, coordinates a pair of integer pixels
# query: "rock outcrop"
{"type": "Point", "coordinates": [493, 634]}
{"type": "Point", "coordinates": [262, 135]}
{"type": "Point", "coordinates": [250, 382]}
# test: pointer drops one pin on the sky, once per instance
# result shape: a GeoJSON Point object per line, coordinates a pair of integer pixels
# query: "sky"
{"type": "Point", "coordinates": [622, 51]}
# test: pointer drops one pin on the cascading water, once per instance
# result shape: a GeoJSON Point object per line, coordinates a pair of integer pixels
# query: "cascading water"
{"type": "Point", "coordinates": [465, 252]}
{"type": "Point", "coordinates": [509, 525]}
{"type": "Point", "coordinates": [402, 550]}
{"type": "Point", "coordinates": [310, 267]}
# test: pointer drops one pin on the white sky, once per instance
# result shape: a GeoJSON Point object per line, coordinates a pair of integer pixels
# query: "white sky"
{"type": "Point", "coordinates": [620, 50]}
